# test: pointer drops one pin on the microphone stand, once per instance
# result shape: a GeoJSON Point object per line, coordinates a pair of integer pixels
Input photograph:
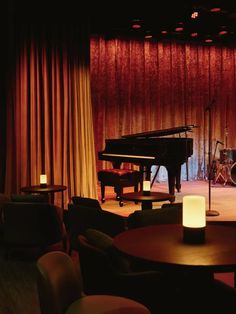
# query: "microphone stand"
{"type": "Point", "coordinates": [210, 212]}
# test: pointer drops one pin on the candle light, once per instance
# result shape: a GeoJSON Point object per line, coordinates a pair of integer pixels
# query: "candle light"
{"type": "Point", "coordinates": [194, 219]}
{"type": "Point", "coordinates": [146, 187]}
{"type": "Point", "coordinates": [43, 180]}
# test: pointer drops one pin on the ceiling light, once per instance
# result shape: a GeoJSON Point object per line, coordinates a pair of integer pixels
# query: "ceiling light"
{"type": "Point", "coordinates": [194, 34]}
{"type": "Point", "coordinates": [194, 15]}
{"type": "Point", "coordinates": [148, 35]}
{"type": "Point", "coordinates": [179, 27]}
{"type": "Point", "coordinates": [215, 9]}
{"type": "Point", "coordinates": [223, 31]}
{"type": "Point", "coordinates": [136, 24]}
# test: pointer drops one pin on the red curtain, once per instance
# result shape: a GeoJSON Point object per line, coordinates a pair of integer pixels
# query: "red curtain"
{"type": "Point", "coordinates": [140, 86]}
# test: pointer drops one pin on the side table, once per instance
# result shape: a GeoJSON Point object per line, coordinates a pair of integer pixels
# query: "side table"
{"type": "Point", "coordinates": [147, 200]}
{"type": "Point", "coordinates": [49, 190]}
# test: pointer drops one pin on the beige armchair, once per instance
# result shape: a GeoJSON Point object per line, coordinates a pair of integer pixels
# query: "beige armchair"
{"type": "Point", "coordinates": [60, 291]}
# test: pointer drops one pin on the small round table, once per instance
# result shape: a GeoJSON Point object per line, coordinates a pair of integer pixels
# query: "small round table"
{"type": "Point", "coordinates": [147, 200]}
{"type": "Point", "coordinates": [49, 189]}
{"type": "Point", "coordinates": [163, 246]}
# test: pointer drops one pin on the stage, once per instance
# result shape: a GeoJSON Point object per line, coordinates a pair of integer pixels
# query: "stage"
{"type": "Point", "coordinates": [223, 198]}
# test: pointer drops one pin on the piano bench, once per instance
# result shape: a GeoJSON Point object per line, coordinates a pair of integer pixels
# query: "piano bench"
{"type": "Point", "coordinates": [118, 178]}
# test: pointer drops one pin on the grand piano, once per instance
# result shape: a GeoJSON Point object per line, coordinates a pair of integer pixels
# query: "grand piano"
{"type": "Point", "coordinates": [152, 148]}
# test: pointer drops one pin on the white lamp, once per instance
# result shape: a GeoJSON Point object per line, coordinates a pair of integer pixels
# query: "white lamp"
{"type": "Point", "coordinates": [194, 219]}
{"type": "Point", "coordinates": [146, 187]}
{"type": "Point", "coordinates": [43, 180]}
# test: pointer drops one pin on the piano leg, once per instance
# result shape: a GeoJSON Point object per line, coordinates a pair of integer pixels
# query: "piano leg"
{"type": "Point", "coordinates": [171, 179]}
{"type": "Point", "coordinates": [103, 192]}
{"type": "Point", "coordinates": [178, 178]}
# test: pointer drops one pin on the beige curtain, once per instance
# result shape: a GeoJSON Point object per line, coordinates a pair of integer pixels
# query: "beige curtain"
{"type": "Point", "coordinates": [49, 113]}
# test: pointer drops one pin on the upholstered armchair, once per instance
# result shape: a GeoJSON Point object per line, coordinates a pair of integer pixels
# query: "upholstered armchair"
{"type": "Point", "coordinates": [60, 290]}
{"type": "Point", "coordinates": [32, 225]}
{"type": "Point", "coordinates": [105, 271]}
{"type": "Point", "coordinates": [167, 214]}
{"type": "Point", "coordinates": [86, 213]}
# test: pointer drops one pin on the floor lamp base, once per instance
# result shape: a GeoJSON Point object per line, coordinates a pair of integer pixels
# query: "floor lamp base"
{"type": "Point", "coordinates": [212, 213]}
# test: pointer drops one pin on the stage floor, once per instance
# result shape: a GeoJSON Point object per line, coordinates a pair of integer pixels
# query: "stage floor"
{"type": "Point", "coordinates": [223, 198]}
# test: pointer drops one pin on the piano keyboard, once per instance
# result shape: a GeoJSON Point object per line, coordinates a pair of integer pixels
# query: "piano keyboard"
{"type": "Point", "coordinates": [129, 156]}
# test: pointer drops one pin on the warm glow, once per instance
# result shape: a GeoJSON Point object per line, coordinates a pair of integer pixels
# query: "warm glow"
{"type": "Point", "coordinates": [194, 213]}
{"type": "Point", "coordinates": [194, 15]}
{"type": "Point", "coordinates": [146, 186]}
{"type": "Point", "coordinates": [43, 179]}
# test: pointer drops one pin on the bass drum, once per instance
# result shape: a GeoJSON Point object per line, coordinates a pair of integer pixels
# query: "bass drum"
{"type": "Point", "coordinates": [233, 174]}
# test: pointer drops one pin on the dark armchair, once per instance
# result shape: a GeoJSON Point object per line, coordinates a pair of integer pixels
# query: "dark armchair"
{"type": "Point", "coordinates": [32, 225]}
{"type": "Point", "coordinates": [167, 214]}
{"type": "Point", "coordinates": [86, 213]}
{"type": "Point", "coordinates": [105, 271]}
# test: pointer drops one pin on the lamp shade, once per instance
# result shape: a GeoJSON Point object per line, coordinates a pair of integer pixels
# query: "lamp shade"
{"type": "Point", "coordinates": [194, 218]}
{"type": "Point", "coordinates": [43, 180]}
{"type": "Point", "coordinates": [146, 187]}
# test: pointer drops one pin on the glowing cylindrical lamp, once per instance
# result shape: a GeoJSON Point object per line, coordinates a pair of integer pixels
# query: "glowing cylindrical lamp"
{"type": "Point", "coordinates": [43, 180]}
{"type": "Point", "coordinates": [146, 187]}
{"type": "Point", "coordinates": [194, 219]}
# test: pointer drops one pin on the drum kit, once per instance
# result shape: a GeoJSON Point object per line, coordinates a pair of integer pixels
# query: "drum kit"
{"type": "Point", "coordinates": [224, 169]}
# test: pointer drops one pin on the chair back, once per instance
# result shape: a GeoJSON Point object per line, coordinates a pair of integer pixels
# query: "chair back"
{"type": "Point", "coordinates": [82, 217]}
{"type": "Point", "coordinates": [58, 282]}
{"type": "Point", "coordinates": [97, 271]}
{"type": "Point", "coordinates": [169, 214]}
{"type": "Point", "coordinates": [31, 224]}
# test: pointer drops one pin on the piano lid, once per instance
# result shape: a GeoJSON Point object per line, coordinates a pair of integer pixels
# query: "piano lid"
{"type": "Point", "coordinates": [163, 132]}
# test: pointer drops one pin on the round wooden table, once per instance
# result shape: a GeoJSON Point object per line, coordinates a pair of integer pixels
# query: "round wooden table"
{"type": "Point", "coordinates": [147, 200]}
{"type": "Point", "coordinates": [163, 246]}
{"type": "Point", "coordinates": [49, 190]}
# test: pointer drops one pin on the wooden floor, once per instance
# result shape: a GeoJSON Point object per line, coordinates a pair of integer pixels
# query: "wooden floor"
{"type": "Point", "coordinates": [222, 198]}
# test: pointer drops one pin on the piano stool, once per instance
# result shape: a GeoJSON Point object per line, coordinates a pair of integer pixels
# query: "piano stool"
{"type": "Point", "coordinates": [118, 178]}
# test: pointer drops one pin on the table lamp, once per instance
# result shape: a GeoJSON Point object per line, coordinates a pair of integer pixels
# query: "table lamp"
{"type": "Point", "coordinates": [43, 180]}
{"type": "Point", "coordinates": [194, 219]}
{"type": "Point", "coordinates": [146, 187]}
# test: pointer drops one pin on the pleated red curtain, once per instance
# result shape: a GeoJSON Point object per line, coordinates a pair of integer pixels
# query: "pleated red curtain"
{"type": "Point", "coordinates": [140, 85]}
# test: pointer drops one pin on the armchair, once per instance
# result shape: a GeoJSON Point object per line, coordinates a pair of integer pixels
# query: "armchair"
{"type": "Point", "coordinates": [86, 213]}
{"type": "Point", "coordinates": [105, 271]}
{"type": "Point", "coordinates": [167, 214]}
{"type": "Point", "coordinates": [60, 290]}
{"type": "Point", "coordinates": [32, 225]}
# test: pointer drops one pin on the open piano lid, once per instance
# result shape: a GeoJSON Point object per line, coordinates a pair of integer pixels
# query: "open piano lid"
{"type": "Point", "coordinates": [163, 132]}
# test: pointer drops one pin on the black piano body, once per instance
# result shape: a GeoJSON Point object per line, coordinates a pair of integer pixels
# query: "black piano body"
{"type": "Point", "coordinates": [148, 149]}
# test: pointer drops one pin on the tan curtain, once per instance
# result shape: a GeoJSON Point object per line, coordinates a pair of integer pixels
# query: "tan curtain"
{"type": "Point", "coordinates": [141, 86]}
{"type": "Point", "coordinates": [49, 114]}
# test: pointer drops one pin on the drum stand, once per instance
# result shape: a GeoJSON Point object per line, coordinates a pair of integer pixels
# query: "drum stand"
{"type": "Point", "coordinates": [223, 173]}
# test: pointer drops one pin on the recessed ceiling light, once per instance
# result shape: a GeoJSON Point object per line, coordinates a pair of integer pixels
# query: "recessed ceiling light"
{"type": "Point", "coordinates": [136, 24]}
{"type": "Point", "coordinates": [215, 9]}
